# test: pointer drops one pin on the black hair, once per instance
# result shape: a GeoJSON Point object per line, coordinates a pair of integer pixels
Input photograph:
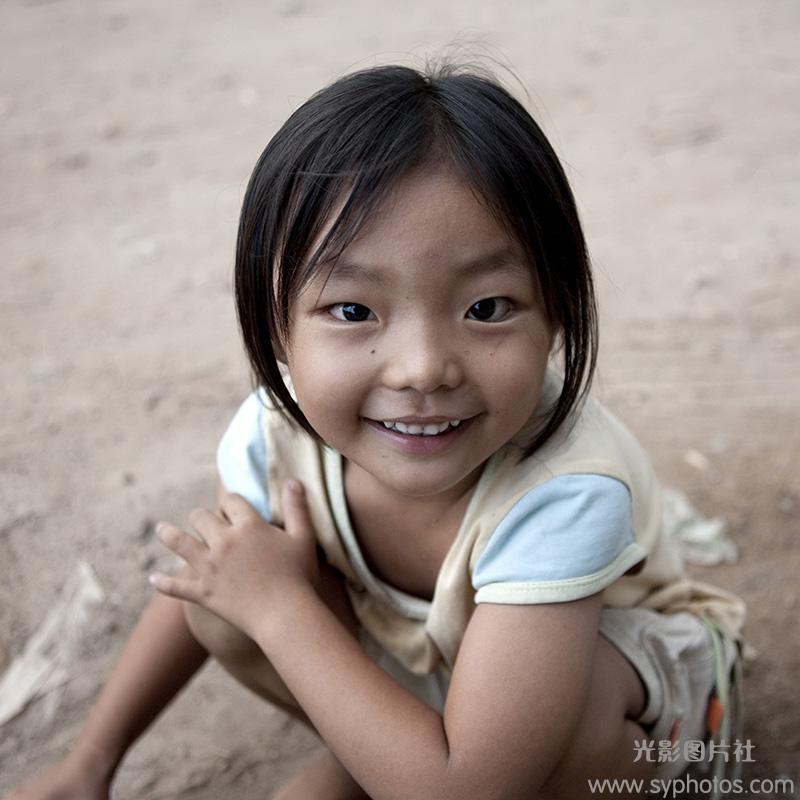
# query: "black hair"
{"type": "Point", "coordinates": [352, 141]}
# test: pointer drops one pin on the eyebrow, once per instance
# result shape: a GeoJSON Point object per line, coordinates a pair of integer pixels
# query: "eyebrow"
{"type": "Point", "coordinates": [502, 259]}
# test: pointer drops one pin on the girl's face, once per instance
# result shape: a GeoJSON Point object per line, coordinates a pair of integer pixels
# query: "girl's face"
{"type": "Point", "coordinates": [430, 315]}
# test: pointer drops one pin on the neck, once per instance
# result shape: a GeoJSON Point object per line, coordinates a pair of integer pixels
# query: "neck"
{"type": "Point", "coordinates": [362, 489]}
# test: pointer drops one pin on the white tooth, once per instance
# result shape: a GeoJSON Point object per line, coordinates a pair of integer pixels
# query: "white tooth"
{"type": "Point", "coordinates": [421, 430]}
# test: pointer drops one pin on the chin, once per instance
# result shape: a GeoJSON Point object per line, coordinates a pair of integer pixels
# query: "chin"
{"type": "Point", "coordinates": [419, 486]}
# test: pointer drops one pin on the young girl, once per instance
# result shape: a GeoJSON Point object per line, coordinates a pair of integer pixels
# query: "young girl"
{"type": "Point", "coordinates": [430, 545]}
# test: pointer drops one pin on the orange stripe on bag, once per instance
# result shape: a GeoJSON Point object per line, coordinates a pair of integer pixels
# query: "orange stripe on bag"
{"type": "Point", "coordinates": [714, 715]}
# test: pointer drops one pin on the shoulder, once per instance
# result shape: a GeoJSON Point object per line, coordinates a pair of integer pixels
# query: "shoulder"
{"type": "Point", "coordinates": [592, 462]}
{"type": "Point", "coordinates": [590, 439]}
{"type": "Point", "coordinates": [242, 455]}
{"type": "Point", "coordinates": [245, 428]}
{"type": "Point", "coordinates": [563, 539]}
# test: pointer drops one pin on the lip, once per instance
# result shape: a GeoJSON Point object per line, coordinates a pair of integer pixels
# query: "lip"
{"type": "Point", "coordinates": [422, 445]}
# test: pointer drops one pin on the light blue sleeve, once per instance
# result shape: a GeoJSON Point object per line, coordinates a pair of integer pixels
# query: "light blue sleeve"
{"type": "Point", "coordinates": [564, 539]}
{"type": "Point", "coordinates": [242, 456]}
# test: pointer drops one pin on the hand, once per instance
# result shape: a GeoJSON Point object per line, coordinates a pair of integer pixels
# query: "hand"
{"type": "Point", "coordinates": [66, 780]}
{"type": "Point", "coordinates": [243, 567]}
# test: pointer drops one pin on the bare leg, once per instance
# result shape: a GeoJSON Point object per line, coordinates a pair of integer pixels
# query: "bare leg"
{"type": "Point", "coordinates": [323, 777]}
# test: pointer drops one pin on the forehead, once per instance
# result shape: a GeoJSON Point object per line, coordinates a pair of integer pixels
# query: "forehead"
{"type": "Point", "coordinates": [431, 219]}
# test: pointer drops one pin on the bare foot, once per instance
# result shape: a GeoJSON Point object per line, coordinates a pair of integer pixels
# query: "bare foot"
{"type": "Point", "coordinates": [321, 778]}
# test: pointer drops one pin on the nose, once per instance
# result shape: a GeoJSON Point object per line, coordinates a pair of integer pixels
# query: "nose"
{"type": "Point", "coordinates": [424, 358]}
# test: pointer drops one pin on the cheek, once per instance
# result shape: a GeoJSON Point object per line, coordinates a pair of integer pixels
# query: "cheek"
{"type": "Point", "coordinates": [516, 397]}
{"type": "Point", "coordinates": [327, 383]}
{"type": "Point", "coordinates": [514, 375]}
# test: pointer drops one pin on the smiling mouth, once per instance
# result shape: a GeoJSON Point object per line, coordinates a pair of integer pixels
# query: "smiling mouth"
{"type": "Point", "coordinates": [422, 444]}
{"type": "Point", "coordinates": [442, 429]}
{"type": "Point", "coordinates": [419, 429]}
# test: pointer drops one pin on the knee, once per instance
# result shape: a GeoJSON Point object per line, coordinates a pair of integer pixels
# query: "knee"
{"type": "Point", "coordinates": [228, 644]}
{"type": "Point", "coordinates": [222, 640]}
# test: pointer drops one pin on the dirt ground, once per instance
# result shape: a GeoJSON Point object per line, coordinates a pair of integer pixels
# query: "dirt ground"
{"type": "Point", "coordinates": [127, 133]}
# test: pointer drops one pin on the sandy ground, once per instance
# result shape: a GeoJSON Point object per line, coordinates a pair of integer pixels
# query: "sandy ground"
{"type": "Point", "coordinates": [128, 130]}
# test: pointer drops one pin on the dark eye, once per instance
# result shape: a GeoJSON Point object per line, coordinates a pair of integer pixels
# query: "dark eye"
{"type": "Point", "coordinates": [492, 309]}
{"type": "Point", "coordinates": [351, 312]}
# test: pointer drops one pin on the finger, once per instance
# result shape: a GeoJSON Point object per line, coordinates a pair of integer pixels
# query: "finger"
{"type": "Point", "coordinates": [207, 523]}
{"type": "Point", "coordinates": [180, 542]}
{"type": "Point", "coordinates": [174, 586]}
{"type": "Point", "coordinates": [221, 492]}
{"type": "Point", "coordinates": [295, 510]}
{"type": "Point", "coordinates": [235, 507]}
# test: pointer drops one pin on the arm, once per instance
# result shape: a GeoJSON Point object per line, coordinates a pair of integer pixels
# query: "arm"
{"type": "Point", "coordinates": [520, 682]}
{"type": "Point", "coordinates": [508, 716]}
